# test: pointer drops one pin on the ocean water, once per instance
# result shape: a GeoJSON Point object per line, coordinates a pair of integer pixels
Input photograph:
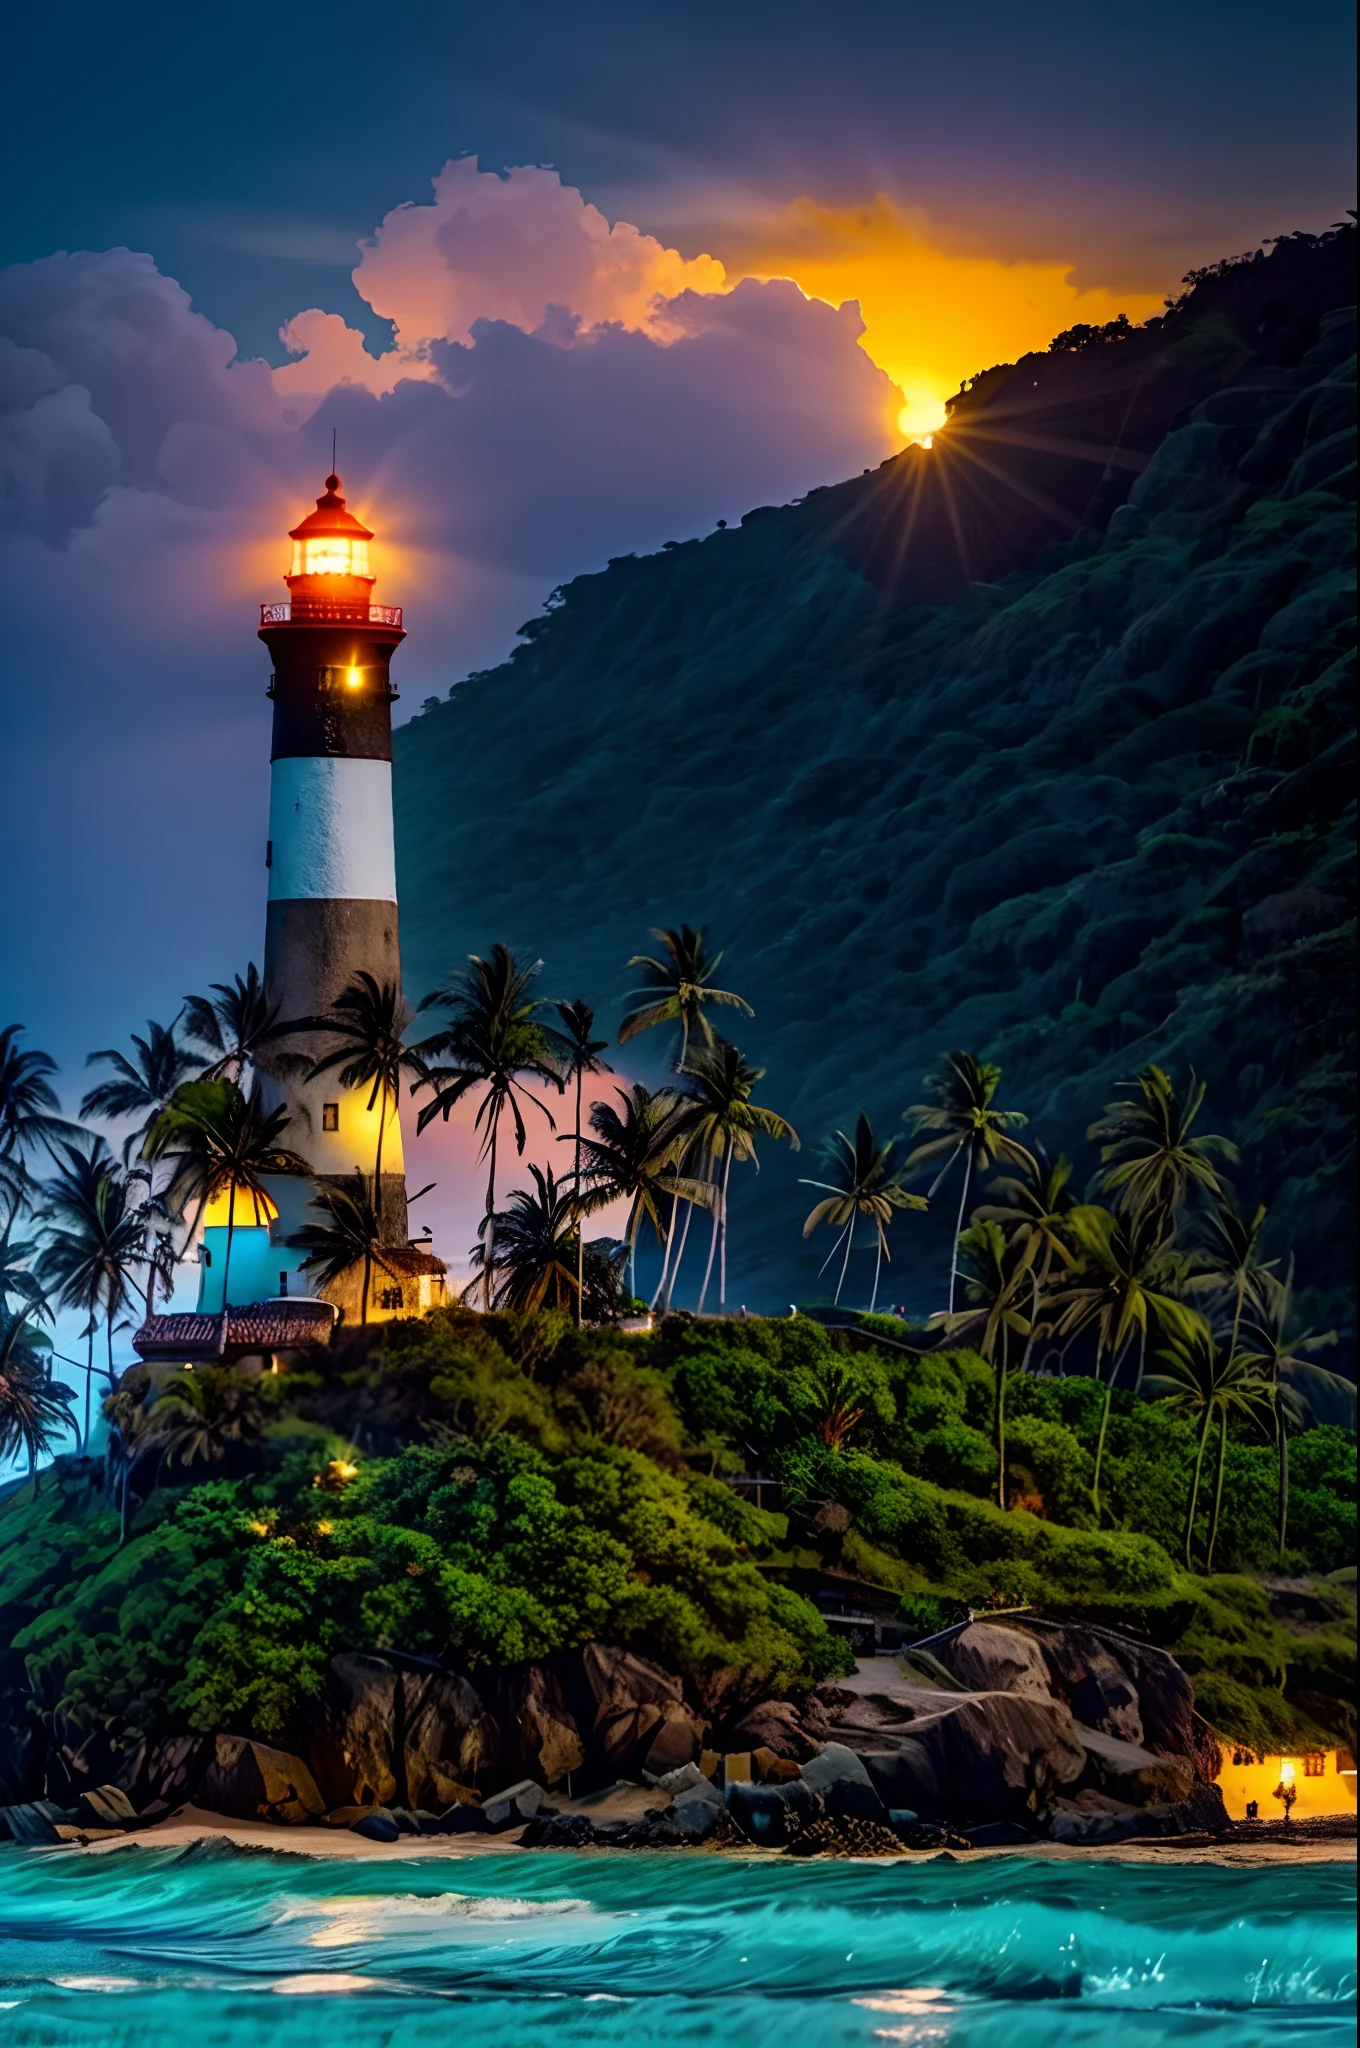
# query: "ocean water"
{"type": "Point", "coordinates": [215, 1947]}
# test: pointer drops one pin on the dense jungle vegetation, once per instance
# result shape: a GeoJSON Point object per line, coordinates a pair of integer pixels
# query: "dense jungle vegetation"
{"type": "Point", "coordinates": [1038, 742]}
{"type": "Point", "coordinates": [489, 1488]}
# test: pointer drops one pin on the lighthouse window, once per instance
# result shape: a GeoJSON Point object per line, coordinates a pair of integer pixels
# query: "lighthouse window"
{"type": "Point", "coordinates": [330, 1116]}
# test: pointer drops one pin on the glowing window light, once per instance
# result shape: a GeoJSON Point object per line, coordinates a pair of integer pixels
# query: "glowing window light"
{"type": "Point", "coordinates": [330, 554]}
{"type": "Point", "coordinates": [354, 677]}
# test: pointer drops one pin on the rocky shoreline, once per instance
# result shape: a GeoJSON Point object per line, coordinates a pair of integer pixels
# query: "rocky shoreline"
{"type": "Point", "coordinates": [1028, 1735]}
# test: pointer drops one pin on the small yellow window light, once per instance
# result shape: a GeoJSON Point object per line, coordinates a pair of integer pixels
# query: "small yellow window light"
{"type": "Point", "coordinates": [354, 677]}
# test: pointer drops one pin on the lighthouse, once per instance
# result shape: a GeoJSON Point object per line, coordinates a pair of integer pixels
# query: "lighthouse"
{"type": "Point", "coordinates": [332, 906]}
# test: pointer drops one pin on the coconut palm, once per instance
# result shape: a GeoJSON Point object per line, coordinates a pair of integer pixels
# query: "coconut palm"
{"type": "Point", "coordinates": [677, 988]}
{"type": "Point", "coordinates": [96, 1242]}
{"type": "Point", "coordinates": [494, 1044]}
{"type": "Point", "coordinates": [574, 1044]}
{"type": "Point", "coordinates": [996, 1284]}
{"type": "Point", "coordinates": [17, 1274]}
{"type": "Point", "coordinates": [1230, 1267]}
{"type": "Point", "coordinates": [635, 1155]}
{"type": "Point", "coordinates": [1284, 1358]}
{"type": "Point", "coordinates": [1200, 1376]}
{"type": "Point", "coordinates": [368, 1022]}
{"type": "Point", "coordinates": [724, 1124]}
{"type": "Point", "coordinates": [233, 1024]}
{"type": "Point", "coordinates": [1037, 1211]}
{"type": "Point", "coordinates": [348, 1232]}
{"type": "Point", "coordinates": [131, 1436]}
{"type": "Point", "coordinates": [1127, 1270]}
{"type": "Point", "coordinates": [143, 1085]}
{"type": "Point", "coordinates": [198, 1415]}
{"type": "Point", "coordinates": [534, 1245]}
{"type": "Point", "coordinates": [865, 1183]}
{"type": "Point", "coordinates": [226, 1143]}
{"type": "Point", "coordinates": [1151, 1160]}
{"type": "Point", "coordinates": [29, 1115]}
{"type": "Point", "coordinates": [964, 1123]}
{"type": "Point", "coordinates": [34, 1408]}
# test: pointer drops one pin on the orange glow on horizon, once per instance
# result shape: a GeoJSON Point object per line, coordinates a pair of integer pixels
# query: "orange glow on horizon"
{"type": "Point", "coordinates": [932, 317]}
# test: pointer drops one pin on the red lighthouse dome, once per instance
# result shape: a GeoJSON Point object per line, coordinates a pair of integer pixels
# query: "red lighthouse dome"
{"type": "Point", "coordinates": [330, 575]}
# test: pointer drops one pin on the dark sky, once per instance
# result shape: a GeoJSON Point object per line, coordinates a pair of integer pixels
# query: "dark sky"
{"type": "Point", "coordinates": [148, 479]}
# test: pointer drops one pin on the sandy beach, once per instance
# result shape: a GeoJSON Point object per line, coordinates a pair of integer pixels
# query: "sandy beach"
{"type": "Point", "coordinates": [192, 1825]}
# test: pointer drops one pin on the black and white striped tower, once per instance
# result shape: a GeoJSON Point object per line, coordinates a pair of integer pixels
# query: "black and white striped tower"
{"type": "Point", "coordinates": [332, 870]}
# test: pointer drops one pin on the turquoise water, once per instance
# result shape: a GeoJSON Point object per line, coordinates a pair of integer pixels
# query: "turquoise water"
{"type": "Point", "coordinates": [220, 1948]}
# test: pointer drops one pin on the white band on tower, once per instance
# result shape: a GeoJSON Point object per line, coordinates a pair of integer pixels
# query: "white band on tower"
{"type": "Point", "coordinates": [330, 830]}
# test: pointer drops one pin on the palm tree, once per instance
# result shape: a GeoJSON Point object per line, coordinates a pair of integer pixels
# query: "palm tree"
{"type": "Point", "coordinates": [368, 1020]}
{"type": "Point", "coordinates": [494, 1044]}
{"type": "Point", "coordinates": [724, 1122]}
{"type": "Point", "coordinates": [142, 1085]}
{"type": "Point", "coordinates": [29, 1115]}
{"type": "Point", "coordinates": [1127, 1268]}
{"type": "Point", "coordinates": [232, 1024]}
{"type": "Point", "coordinates": [996, 1283]}
{"type": "Point", "coordinates": [1151, 1160]}
{"type": "Point", "coordinates": [1285, 1361]}
{"type": "Point", "coordinates": [17, 1276]}
{"type": "Point", "coordinates": [676, 989]}
{"type": "Point", "coordinates": [866, 1184]}
{"type": "Point", "coordinates": [534, 1246]}
{"type": "Point", "coordinates": [197, 1415]}
{"type": "Point", "coordinates": [131, 1435]}
{"type": "Point", "coordinates": [579, 1050]}
{"type": "Point", "coordinates": [965, 1124]}
{"type": "Point", "coordinates": [228, 1142]}
{"type": "Point", "coordinates": [1201, 1377]}
{"type": "Point", "coordinates": [95, 1245]}
{"type": "Point", "coordinates": [1037, 1212]}
{"type": "Point", "coordinates": [350, 1232]}
{"type": "Point", "coordinates": [636, 1155]}
{"type": "Point", "coordinates": [1231, 1263]}
{"type": "Point", "coordinates": [34, 1408]}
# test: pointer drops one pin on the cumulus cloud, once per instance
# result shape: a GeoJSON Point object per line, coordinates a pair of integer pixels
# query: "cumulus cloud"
{"type": "Point", "coordinates": [562, 389]}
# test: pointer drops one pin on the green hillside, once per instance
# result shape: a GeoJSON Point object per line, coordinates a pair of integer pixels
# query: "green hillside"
{"type": "Point", "coordinates": [1038, 742]}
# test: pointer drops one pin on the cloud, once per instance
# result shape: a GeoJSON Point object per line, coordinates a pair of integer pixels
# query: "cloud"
{"type": "Point", "coordinates": [563, 390]}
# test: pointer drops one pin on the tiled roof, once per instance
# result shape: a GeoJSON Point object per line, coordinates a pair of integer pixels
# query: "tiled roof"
{"type": "Point", "coordinates": [255, 1326]}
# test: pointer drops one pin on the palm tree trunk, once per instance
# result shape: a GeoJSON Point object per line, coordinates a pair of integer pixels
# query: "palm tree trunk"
{"type": "Point", "coordinates": [89, 1375]}
{"type": "Point", "coordinates": [1218, 1488]}
{"type": "Point", "coordinates": [722, 1242]}
{"type": "Point", "coordinates": [845, 1262]}
{"type": "Point", "coordinates": [1033, 1319]}
{"type": "Point", "coordinates": [958, 1227]}
{"type": "Point", "coordinates": [1100, 1441]}
{"type": "Point", "coordinates": [580, 1219]}
{"type": "Point", "coordinates": [1001, 1422]}
{"type": "Point", "coordinates": [667, 1242]}
{"type": "Point", "coordinates": [674, 1280]}
{"type": "Point", "coordinates": [108, 1338]}
{"type": "Point", "coordinates": [377, 1164]}
{"type": "Point", "coordinates": [368, 1278]}
{"type": "Point", "coordinates": [878, 1267]}
{"type": "Point", "coordinates": [490, 1251]}
{"type": "Point", "coordinates": [1282, 1467]}
{"type": "Point", "coordinates": [1193, 1503]}
{"type": "Point", "coordinates": [712, 1249]}
{"type": "Point", "coordinates": [1142, 1360]}
{"type": "Point", "coordinates": [231, 1231]}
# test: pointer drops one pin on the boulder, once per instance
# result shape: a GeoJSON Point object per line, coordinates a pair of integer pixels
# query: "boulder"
{"type": "Point", "coordinates": [539, 1737]}
{"type": "Point", "coordinates": [963, 1756]}
{"type": "Point", "coordinates": [769, 1769]}
{"type": "Point", "coordinates": [985, 1658]}
{"type": "Point", "coordinates": [775, 1725]}
{"type": "Point", "coordinates": [32, 1821]}
{"type": "Point", "coordinates": [250, 1781]}
{"type": "Point", "coordinates": [680, 1781]}
{"type": "Point", "coordinates": [637, 1717]}
{"type": "Point", "coordinates": [773, 1815]}
{"type": "Point", "coordinates": [1122, 1688]}
{"type": "Point", "coordinates": [698, 1813]}
{"type": "Point", "coordinates": [843, 1784]}
{"type": "Point", "coordinates": [386, 1732]}
{"type": "Point", "coordinates": [1090, 1822]}
{"type": "Point", "coordinates": [170, 1768]}
{"type": "Point", "coordinates": [105, 1806]}
{"type": "Point", "coordinates": [377, 1825]}
{"type": "Point", "coordinates": [512, 1807]}
{"type": "Point", "coordinates": [559, 1831]}
{"type": "Point", "coordinates": [1134, 1774]}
